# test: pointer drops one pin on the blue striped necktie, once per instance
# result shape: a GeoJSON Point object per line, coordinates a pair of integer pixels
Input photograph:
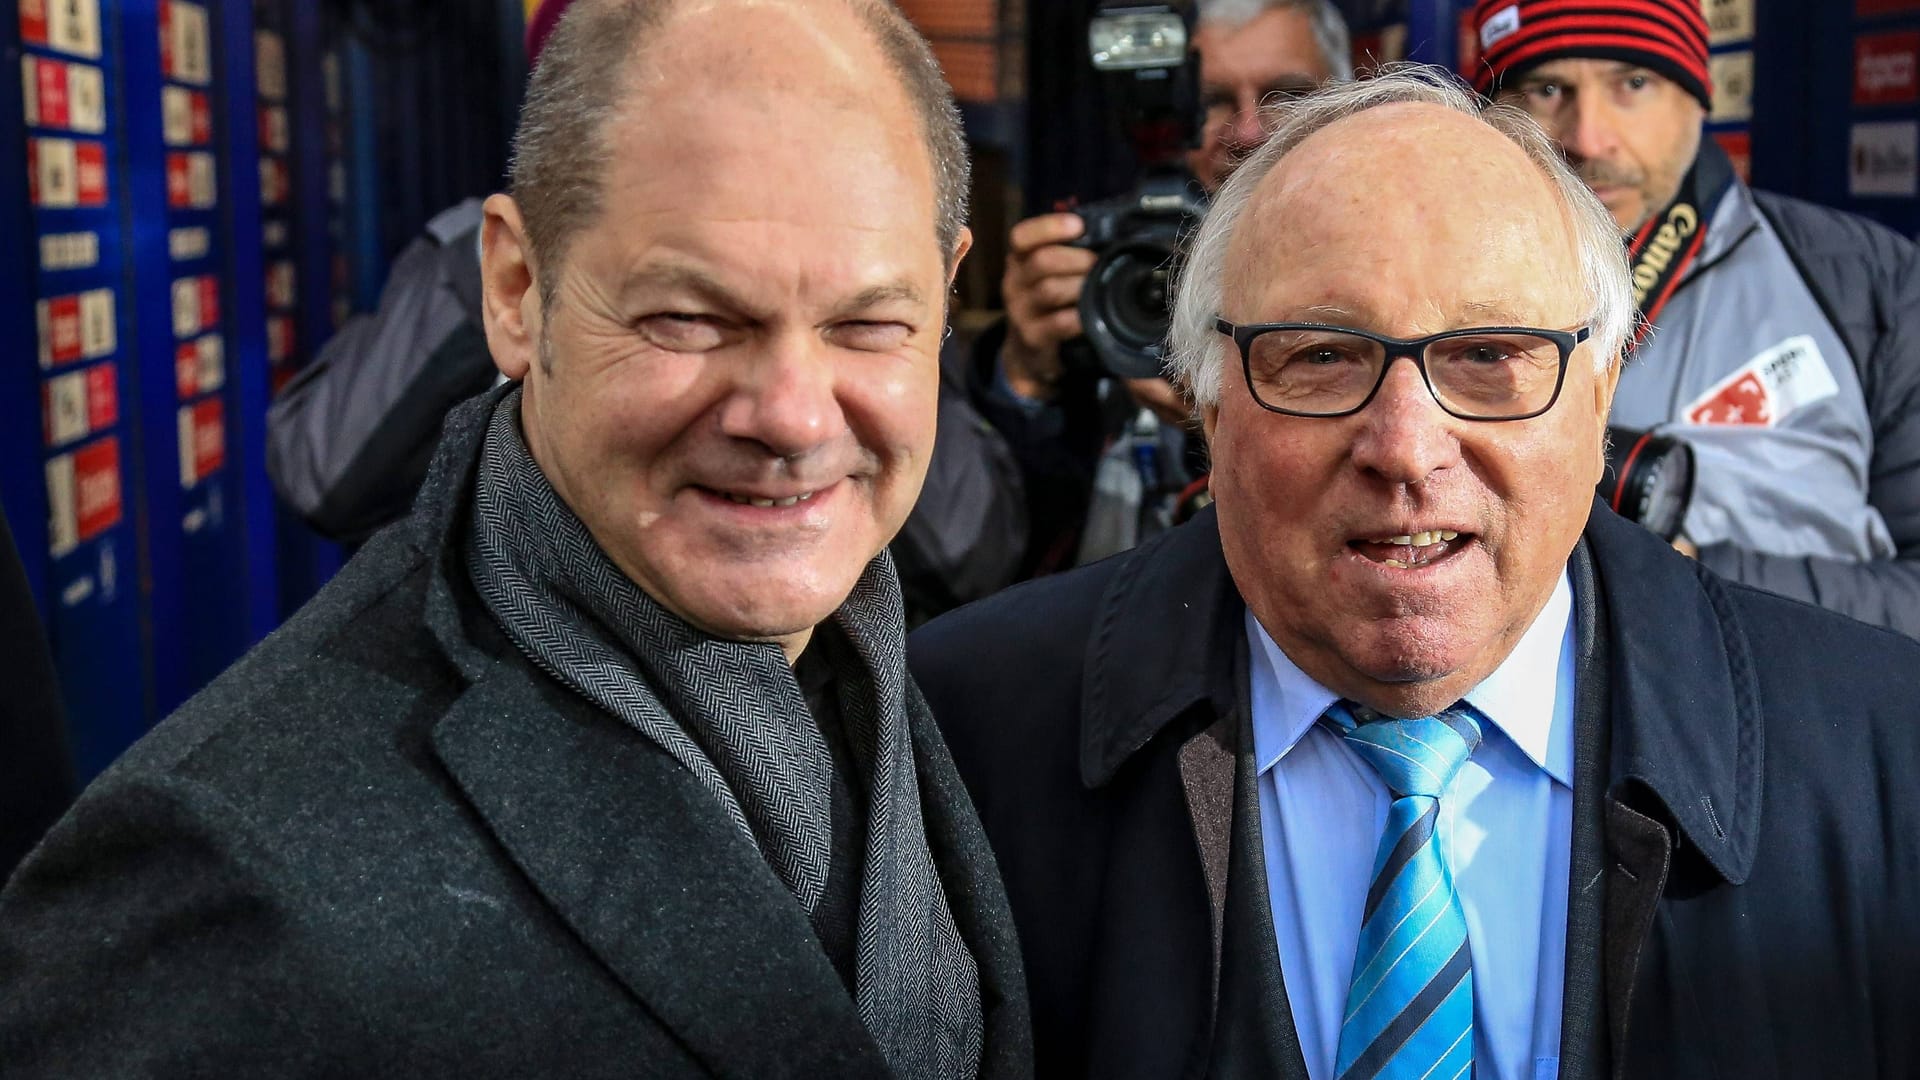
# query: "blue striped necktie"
{"type": "Point", "coordinates": [1409, 1012]}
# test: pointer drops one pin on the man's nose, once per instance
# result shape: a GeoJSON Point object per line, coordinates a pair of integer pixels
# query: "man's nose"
{"type": "Point", "coordinates": [784, 397]}
{"type": "Point", "coordinates": [1590, 129]}
{"type": "Point", "coordinates": [1405, 436]}
{"type": "Point", "coordinates": [1246, 128]}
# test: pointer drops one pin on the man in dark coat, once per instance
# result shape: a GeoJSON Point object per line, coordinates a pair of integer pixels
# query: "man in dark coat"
{"type": "Point", "coordinates": [605, 762]}
{"type": "Point", "coordinates": [1652, 823]}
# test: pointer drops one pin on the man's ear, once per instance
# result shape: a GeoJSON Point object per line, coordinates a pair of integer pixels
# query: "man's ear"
{"type": "Point", "coordinates": [509, 295]}
{"type": "Point", "coordinates": [962, 245]}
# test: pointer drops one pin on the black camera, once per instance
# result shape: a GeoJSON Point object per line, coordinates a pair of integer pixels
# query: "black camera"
{"type": "Point", "coordinates": [1649, 479]}
{"type": "Point", "coordinates": [1126, 306]}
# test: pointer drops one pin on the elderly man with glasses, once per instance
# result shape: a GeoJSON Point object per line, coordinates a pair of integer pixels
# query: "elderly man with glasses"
{"type": "Point", "coordinates": [1409, 759]}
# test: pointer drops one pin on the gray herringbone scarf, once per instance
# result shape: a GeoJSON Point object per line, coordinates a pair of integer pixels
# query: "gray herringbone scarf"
{"type": "Point", "coordinates": [732, 713]}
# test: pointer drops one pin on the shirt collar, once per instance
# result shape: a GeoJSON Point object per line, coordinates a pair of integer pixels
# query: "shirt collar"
{"type": "Point", "coordinates": [1523, 697]}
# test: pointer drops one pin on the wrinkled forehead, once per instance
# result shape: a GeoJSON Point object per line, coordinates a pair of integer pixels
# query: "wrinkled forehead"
{"type": "Point", "coordinates": [1414, 197]}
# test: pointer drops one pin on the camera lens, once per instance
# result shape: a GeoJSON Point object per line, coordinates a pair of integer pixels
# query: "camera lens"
{"type": "Point", "coordinates": [1649, 479]}
{"type": "Point", "coordinates": [1126, 307]}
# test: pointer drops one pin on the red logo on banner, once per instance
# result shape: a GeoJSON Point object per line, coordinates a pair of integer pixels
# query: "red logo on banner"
{"type": "Point", "coordinates": [166, 38]}
{"type": "Point", "coordinates": [179, 183]}
{"type": "Point", "coordinates": [209, 301]}
{"type": "Point", "coordinates": [63, 329]}
{"type": "Point", "coordinates": [186, 370]}
{"type": "Point", "coordinates": [279, 339]}
{"type": "Point", "coordinates": [96, 486]}
{"type": "Point", "coordinates": [1744, 401]}
{"type": "Point", "coordinates": [1884, 7]}
{"type": "Point", "coordinates": [103, 397]}
{"type": "Point", "coordinates": [50, 83]}
{"type": "Point", "coordinates": [209, 438]}
{"type": "Point", "coordinates": [33, 22]}
{"type": "Point", "coordinates": [1886, 68]}
{"type": "Point", "coordinates": [90, 173]}
{"type": "Point", "coordinates": [202, 116]}
{"type": "Point", "coordinates": [1739, 148]}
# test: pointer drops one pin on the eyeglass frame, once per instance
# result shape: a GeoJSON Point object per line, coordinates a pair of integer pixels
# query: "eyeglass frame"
{"type": "Point", "coordinates": [1414, 349]}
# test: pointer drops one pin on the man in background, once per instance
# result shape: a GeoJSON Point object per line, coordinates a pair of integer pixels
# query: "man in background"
{"type": "Point", "coordinates": [1061, 419]}
{"type": "Point", "coordinates": [1783, 338]}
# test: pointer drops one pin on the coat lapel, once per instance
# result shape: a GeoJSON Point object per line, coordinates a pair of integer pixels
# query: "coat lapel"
{"type": "Point", "coordinates": [978, 899]}
{"type": "Point", "coordinates": [1583, 1030]}
{"type": "Point", "coordinates": [1171, 645]}
{"type": "Point", "coordinates": [1686, 747]}
{"type": "Point", "coordinates": [642, 864]}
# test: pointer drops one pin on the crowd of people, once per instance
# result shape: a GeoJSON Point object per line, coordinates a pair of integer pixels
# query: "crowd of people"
{"type": "Point", "coordinates": [676, 715]}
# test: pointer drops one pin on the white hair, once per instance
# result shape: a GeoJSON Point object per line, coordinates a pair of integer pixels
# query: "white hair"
{"type": "Point", "coordinates": [1196, 349]}
{"type": "Point", "coordinates": [1329, 26]}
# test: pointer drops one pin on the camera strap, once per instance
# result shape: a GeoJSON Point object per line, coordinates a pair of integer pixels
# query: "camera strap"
{"type": "Point", "coordinates": [1666, 245]}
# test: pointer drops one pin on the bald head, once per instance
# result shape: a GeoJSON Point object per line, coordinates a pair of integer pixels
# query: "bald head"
{"type": "Point", "coordinates": [1365, 188]}
{"type": "Point", "coordinates": [607, 57]}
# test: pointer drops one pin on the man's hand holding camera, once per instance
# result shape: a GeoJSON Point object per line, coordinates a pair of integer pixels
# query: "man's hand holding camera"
{"type": "Point", "coordinates": [1042, 284]}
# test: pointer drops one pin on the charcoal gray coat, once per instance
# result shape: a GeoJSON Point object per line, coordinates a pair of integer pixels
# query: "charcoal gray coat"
{"type": "Point", "coordinates": [386, 845]}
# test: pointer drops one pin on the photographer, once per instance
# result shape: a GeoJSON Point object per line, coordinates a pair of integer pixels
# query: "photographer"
{"type": "Point", "coordinates": [1784, 335]}
{"type": "Point", "coordinates": [1105, 458]}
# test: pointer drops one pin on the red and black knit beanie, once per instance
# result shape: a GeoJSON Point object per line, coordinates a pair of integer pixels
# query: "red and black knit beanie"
{"type": "Point", "coordinates": [1665, 36]}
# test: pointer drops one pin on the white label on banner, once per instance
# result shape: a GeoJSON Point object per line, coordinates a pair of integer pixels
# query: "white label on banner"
{"type": "Point", "coordinates": [69, 251]}
{"type": "Point", "coordinates": [1884, 159]}
{"type": "Point", "coordinates": [1732, 75]}
{"type": "Point", "coordinates": [274, 132]}
{"type": "Point", "coordinates": [184, 431]}
{"type": "Point", "coordinates": [1728, 21]}
{"type": "Point", "coordinates": [200, 181]}
{"type": "Point", "coordinates": [270, 64]}
{"type": "Point", "coordinates": [57, 161]}
{"type": "Point", "coordinates": [280, 287]}
{"type": "Point", "coordinates": [186, 307]}
{"type": "Point", "coordinates": [63, 518]}
{"type": "Point", "coordinates": [86, 99]}
{"type": "Point", "coordinates": [273, 234]}
{"type": "Point", "coordinates": [192, 59]}
{"type": "Point", "coordinates": [188, 243]}
{"type": "Point", "coordinates": [66, 408]}
{"type": "Point", "coordinates": [337, 183]}
{"type": "Point", "coordinates": [73, 26]}
{"type": "Point", "coordinates": [30, 88]}
{"type": "Point", "coordinates": [97, 336]}
{"type": "Point", "coordinates": [211, 354]}
{"type": "Point", "coordinates": [176, 115]}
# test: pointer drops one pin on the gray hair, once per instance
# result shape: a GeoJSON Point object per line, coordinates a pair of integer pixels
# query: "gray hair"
{"type": "Point", "coordinates": [1329, 26]}
{"type": "Point", "coordinates": [586, 72]}
{"type": "Point", "coordinates": [1196, 349]}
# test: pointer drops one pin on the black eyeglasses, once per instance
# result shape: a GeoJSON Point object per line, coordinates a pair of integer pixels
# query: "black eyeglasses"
{"type": "Point", "coordinates": [1479, 373]}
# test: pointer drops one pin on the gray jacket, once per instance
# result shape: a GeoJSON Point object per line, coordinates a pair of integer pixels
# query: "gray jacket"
{"type": "Point", "coordinates": [1789, 359]}
{"type": "Point", "coordinates": [384, 844]}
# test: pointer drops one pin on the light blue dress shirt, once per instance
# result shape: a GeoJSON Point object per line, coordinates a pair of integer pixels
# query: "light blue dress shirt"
{"type": "Point", "coordinates": [1505, 827]}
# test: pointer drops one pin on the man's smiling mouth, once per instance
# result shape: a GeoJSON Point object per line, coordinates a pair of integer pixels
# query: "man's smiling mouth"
{"type": "Point", "coordinates": [1410, 551]}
